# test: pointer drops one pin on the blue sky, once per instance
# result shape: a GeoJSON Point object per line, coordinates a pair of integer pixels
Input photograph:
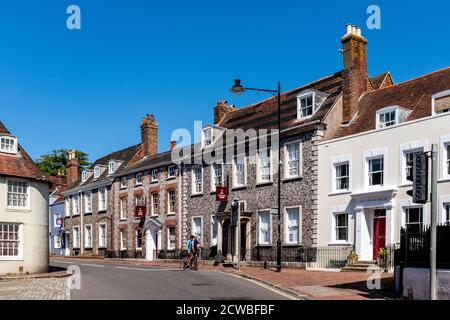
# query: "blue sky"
{"type": "Point", "coordinates": [87, 89]}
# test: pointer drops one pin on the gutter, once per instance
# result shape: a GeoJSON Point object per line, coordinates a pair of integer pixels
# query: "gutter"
{"type": "Point", "coordinates": [91, 186]}
{"type": "Point", "coordinates": [139, 169]}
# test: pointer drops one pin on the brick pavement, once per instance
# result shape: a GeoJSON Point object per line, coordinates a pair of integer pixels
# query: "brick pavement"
{"type": "Point", "coordinates": [35, 289]}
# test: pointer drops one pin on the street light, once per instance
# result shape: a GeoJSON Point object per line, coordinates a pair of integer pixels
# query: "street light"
{"type": "Point", "coordinates": [238, 89]}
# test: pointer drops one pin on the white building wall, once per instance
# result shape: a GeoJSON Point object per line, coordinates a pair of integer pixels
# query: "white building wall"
{"type": "Point", "coordinates": [34, 223]}
{"type": "Point", "coordinates": [391, 141]}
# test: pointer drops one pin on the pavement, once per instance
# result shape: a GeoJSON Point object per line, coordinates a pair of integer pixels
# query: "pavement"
{"type": "Point", "coordinates": [34, 289]}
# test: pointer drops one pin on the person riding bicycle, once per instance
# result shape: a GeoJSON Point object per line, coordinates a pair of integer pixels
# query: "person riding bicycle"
{"type": "Point", "coordinates": [193, 251]}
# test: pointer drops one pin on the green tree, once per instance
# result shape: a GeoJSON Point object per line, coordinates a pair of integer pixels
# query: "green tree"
{"type": "Point", "coordinates": [51, 163]}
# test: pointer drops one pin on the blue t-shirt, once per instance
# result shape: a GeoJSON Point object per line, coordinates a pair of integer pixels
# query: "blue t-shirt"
{"type": "Point", "coordinates": [190, 245]}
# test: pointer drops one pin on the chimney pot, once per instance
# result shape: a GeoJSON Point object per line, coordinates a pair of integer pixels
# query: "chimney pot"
{"type": "Point", "coordinates": [149, 135]}
{"type": "Point", "coordinates": [173, 145]}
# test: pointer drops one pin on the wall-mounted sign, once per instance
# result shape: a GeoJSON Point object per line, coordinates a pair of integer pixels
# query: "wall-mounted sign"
{"type": "Point", "coordinates": [221, 194]}
{"type": "Point", "coordinates": [140, 211]}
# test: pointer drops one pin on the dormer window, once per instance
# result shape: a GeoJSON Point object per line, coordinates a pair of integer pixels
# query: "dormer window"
{"type": "Point", "coordinates": [390, 116]}
{"type": "Point", "coordinates": [8, 144]}
{"type": "Point", "coordinates": [84, 176]}
{"type": "Point", "coordinates": [97, 172]}
{"type": "Point", "coordinates": [305, 105]}
{"type": "Point", "coordinates": [207, 136]}
{"type": "Point", "coordinates": [441, 102]}
{"type": "Point", "coordinates": [111, 167]}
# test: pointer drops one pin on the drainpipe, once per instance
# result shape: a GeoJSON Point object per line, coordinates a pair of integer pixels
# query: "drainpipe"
{"type": "Point", "coordinates": [180, 209]}
{"type": "Point", "coordinates": [81, 208]}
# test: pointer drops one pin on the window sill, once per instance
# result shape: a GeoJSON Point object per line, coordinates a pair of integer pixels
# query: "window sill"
{"type": "Point", "coordinates": [102, 247]}
{"type": "Point", "coordinates": [138, 185]}
{"type": "Point", "coordinates": [264, 246]}
{"type": "Point", "coordinates": [123, 220]}
{"type": "Point", "coordinates": [18, 209]}
{"type": "Point", "coordinates": [87, 213]}
{"type": "Point", "coordinates": [404, 185]}
{"type": "Point", "coordinates": [171, 178]}
{"type": "Point", "coordinates": [11, 259]}
{"type": "Point", "coordinates": [264, 184]}
{"type": "Point", "coordinates": [288, 245]}
{"type": "Point", "coordinates": [335, 243]}
{"type": "Point", "coordinates": [337, 193]}
{"type": "Point", "coordinates": [102, 211]}
{"type": "Point", "coordinates": [171, 214]}
{"type": "Point", "coordinates": [239, 188]}
{"type": "Point", "coordinates": [446, 179]}
{"type": "Point", "coordinates": [154, 181]}
{"type": "Point", "coordinates": [193, 195]}
{"type": "Point", "coordinates": [289, 179]}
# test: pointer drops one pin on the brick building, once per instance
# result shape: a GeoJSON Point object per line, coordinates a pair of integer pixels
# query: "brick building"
{"type": "Point", "coordinates": [309, 114]}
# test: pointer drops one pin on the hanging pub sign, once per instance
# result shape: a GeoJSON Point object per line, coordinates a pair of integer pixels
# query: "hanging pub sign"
{"type": "Point", "coordinates": [140, 211]}
{"type": "Point", "coordinates": [59, 221]}
{"type": "Point", "coordinates": [221, 194]}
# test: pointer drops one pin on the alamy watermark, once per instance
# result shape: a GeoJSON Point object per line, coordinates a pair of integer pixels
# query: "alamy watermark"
{"type": "Point", "coordinates": [74, 281]}
{"type": "Point", "coordinates": [73, 21]}
{"type": "Point", "coordinates": [374, 20]}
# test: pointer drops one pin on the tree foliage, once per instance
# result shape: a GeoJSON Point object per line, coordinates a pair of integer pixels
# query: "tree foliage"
{"type": "Point", "coordinates": [56, 160]}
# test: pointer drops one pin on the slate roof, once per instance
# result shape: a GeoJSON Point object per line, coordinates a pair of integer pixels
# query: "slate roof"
{"type": "Point", "coordinates": [146, 163]}
{"type": "Point", "coordinates": [20, 165]}
{"type": "Point", "coordinates": [414, 95]}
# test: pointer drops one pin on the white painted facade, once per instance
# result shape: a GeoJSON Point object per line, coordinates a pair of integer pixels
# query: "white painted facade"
{"type": "Point", "coordinates": [361, 201]}
{"type": "Point", "coordinates": [32, 223]}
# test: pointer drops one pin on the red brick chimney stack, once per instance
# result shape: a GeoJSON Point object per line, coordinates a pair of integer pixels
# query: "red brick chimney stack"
{"type": "Point", "coordinates": [149, 135]}
{"type": "Point", "coordinates": [220, 110]}
{"type": "Point", "coordinates": [173, 145]}
{"type": "Point", "coordinates": [355, 71]}
{"type": "Point", "coordinates": [72, 168]}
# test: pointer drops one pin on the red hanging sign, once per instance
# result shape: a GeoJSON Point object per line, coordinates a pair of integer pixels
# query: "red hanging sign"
{"type": "Point", "coordinates": [140, 211]}
{"type": "Point", "coordinates": [221, 194]}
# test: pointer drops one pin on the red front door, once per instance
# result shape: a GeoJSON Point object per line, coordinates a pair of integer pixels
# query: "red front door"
{"type": "Point", "coordinates": [379, 232]}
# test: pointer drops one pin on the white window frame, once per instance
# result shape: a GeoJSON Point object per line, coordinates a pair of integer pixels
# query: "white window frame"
{"type": "Point", "coordinates": [169, 246]}
{"type": "Point", "coordinates": [100, 241]}
{"type": "Point", "coordinates": [214, 240]}
{"type": "Point", "coordinates": [444, 142]}
{"type": "Point", "coordinates": [211, 138]}
{"type": "Point", "coordinates": [202, 226]}
{"type": "Point", "coordinates": [336, 161]}
{"type": "Point", "coordinates": [194, 190]}
{"type": "Point", "coordinates": [55, 218]}
{"type": "Point", "coordinates": [286, 159]}
{"type": "Point", "coordinates": [28, 194]}
{"type": "Point", "coordinates": [57, 241]}
{"type": "Point", "coordinates": [384, 111]}
{"type": "Point", "coordinates": [258, 167]}
{"type": "Point", "coordinates": [14, 147]}
{"type": "Point", "coordinates": [138, 179]}
{"type": "Point", "coordinates": [405, 204]}
{"type": "Point", "coordinates": [334, 211]}
{"type": "Point", "coordinates": [369, 155]}
{"type": "Point", "coordinates": [76, 240]}
{"type": "Point", "coordinates": [260, 243]}
{"type": "Point", "coordinates": [123, 182]}
{"type": "Point", "coordinates": [244, 159]}
{"type": "Point", "coordinates": [286, 225]}
{"type": "Point", "coordinates": [88, 245]}
{"type": "Point", "coordinates": [213, 176]}
{"type": "Point", "coordinates": [111, 167]}
{"type": "Point", "coordinates": [76, 199]}
{"type": "Point", "coordinates": [154, 175]}
{"type": "Point", "coordinates": [97, 172]}
{"type": "Point", "coordinates": [413, 146]}
{"type": "Point", "coordinates": [100, 205]}
{"type": "Point", "coordinates": [169, 211]}
{"type": "Point", "coordinates": [84, 176]}
{"type": "Point", "coordinates": [88, 202]}
{"type": "Point", "coordinates": [302, 96]}
{"type": "Point", "coordinates": [19, 256]}
{"type": "Point", "coordinates": [68, 206]}
{"type": "Point", "coordinates": [153, 213]}
{"type": "Point", "coordinates": [173, 175]}
{"type": "Point", "coordinates": [123, 239]}
{"type": "Point", "coordinates": [443, 201]}
{"type": "Point", "coordinates": [433, 101]}
{"type": "Point", "coordinates": [122, 210]}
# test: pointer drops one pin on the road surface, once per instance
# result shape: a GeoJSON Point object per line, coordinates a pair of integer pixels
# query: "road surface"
{"type": "Point", "coordinates": [118, 281]}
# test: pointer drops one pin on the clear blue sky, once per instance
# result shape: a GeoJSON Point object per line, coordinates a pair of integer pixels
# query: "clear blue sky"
{"type": "Point", "coordinates": [88, 89]}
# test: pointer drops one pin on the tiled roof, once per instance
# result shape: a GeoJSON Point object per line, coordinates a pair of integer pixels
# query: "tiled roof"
{"type": "Point", "coordinates": [20, 165]}
{"type": "Point", "coordinates": [414, 95]}
{"type": "Point", "coordinates": [146, 163]}
{"type": "Point", "coordinates": [263, 115]}
{"type": "Point", "coordinates": [125, 155]}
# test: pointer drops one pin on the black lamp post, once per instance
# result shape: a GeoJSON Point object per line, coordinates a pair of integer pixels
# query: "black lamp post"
{"type": "Point", "coordinates": [238, 89]}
